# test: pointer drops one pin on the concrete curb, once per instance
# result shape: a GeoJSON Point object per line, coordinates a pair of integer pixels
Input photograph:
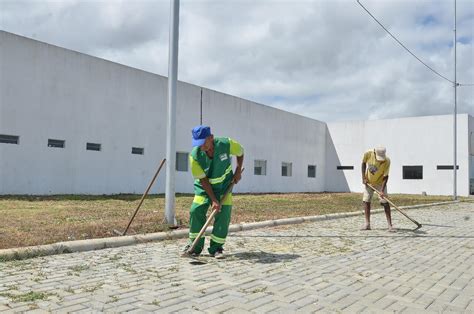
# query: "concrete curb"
{"type": "Point", "coordinates": [104, 243]}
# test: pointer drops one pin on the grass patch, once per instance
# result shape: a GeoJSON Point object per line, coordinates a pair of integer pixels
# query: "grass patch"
{"type": "Point", "coordinates": [12, 287]}
{"type": "Point", "coordinates": [113, 299]}
{"type": "Point", "coordinates": [76, 270]}
{"type": "Point", "coordinates": [255, 290]}
{"type": "Point", "coordinates": [128, 268]}
{"type": "Point", "coordinates": [26, 297]}
{"type": "Point", "coordinates": [93, 288]}
{"type": "Point", "coordinates": [115, 258]}
{"type": "Point", "coordinates": [34, 220]}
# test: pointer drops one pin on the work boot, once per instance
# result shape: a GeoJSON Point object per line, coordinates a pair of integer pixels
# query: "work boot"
{"type": "Point", "coordinates": [219, 254]}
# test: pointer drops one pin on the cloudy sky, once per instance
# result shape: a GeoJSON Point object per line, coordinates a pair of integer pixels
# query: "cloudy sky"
{"type": "Point", "coordinates": [325, 59]}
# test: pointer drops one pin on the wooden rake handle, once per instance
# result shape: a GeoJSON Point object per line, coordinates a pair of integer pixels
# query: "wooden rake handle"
{"type": "Point", "coordinates": [395, 206]}
{"type": "Point", "coordinates": [211, 216]}
{"type": "Point", "coordinates": [145, 194]}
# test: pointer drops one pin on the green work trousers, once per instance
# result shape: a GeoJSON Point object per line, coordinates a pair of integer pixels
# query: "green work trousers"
{"type": "Point", "coordinates": [198, 218]}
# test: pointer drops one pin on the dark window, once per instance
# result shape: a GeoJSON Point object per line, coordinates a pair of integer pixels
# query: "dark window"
{"type": "Point", "coordinates": [311, 171]}
{"type": "Point", "coordinates": [446, 167]}
{"type": "Point", "coordinates": [138, 150]}
{"type": "Point", "coordinates": [286, 169]}
{"type": "Point", "coordinates": [9, 139]}
{"type": "Point", "coordinates": [345, 167]}
{"type": "Point", "coordinates": [93, 146]}
{"type": "Point", "coordinates": [56, 143]}
{"type": "Point", "coordinates": [182, 161]}
{"type": "Point", "coordinates": [412, 172]}
{"type": "Point", "coordinates": [260, 167]}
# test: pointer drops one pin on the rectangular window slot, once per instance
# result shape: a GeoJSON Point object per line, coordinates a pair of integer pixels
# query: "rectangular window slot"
{"type": "Point", "coordinates": [56, 143]}
{"type": "Point", "coordinates": [93, 146]}
{"type": "Point", "coordinates": [345, 167]}
{"type": "Point", "coordinates": [446, 167]}
{"type": "Point", "coordinates": [311, 171]}
{"type": "Point", "coordinates": [412, 172]}
{"type": "Point", "coordinates": [9, 139]}
{"type": "Point", "coordinates": [138, 150]}
{"type": "Point", "coordinates": [260, 167]}
{"type": "Point", "coordinates": [286, 169]}
{"type": "Point", "coordinates": [182, 161]}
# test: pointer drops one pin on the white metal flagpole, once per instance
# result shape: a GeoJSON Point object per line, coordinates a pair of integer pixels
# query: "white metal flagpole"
{"type": "Point", "coordinates": [455, 113]}
{"type": "Point", "coordinates": [171, 126]}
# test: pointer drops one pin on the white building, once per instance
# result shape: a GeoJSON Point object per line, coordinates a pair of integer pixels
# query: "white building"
{"type": "Point", "coordinates": [75, 124]}
{"type": "Point", "coordinates": [420, 149]}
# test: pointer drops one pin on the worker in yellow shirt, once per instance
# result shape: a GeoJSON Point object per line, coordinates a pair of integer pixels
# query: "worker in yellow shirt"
{"type": "Point", "coordinates": [375, 169]}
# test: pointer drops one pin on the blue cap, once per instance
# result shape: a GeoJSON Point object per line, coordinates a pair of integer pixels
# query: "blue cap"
{"type": "Point", "coordinates": [200, 133]}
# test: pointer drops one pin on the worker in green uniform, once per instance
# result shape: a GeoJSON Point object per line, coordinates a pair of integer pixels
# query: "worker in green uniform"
{"type": "Point", "coordinates": [211, 167]}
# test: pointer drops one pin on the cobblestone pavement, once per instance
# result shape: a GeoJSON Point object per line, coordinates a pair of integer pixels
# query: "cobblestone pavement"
{"type": "Point", "coordinates": [326, 266]}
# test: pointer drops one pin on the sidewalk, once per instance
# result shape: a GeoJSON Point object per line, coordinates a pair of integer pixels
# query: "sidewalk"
{"type": "Point", "coordinates": [320, 266]}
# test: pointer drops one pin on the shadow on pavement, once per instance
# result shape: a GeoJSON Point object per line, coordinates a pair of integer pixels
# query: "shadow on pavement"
{"type": "Point", "coordinates": [415, 231]}
{"type": "Point", "coordinates": [263, 257]}
{"type": "Point", "coordinates": [442, 226]}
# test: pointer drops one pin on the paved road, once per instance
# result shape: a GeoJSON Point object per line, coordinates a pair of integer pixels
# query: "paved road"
{"type": "Point", "coordinates": [327, 266]}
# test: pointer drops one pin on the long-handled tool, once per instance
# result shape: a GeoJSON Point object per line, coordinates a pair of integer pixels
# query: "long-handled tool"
{"type": "Point", "coordinates": [211, 216]}
{"type": "Point", "coordinates": [395, 206]}
{"type": "Point", "coordinates": [142, 199]}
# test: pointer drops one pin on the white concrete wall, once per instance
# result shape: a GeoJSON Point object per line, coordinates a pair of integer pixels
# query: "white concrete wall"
{"type": "Point", "coordinates": [426, 141]}
{"type": "Point", "coordinates": [273, 135]}
{"type": "Point", "coordinates": [50, 92]}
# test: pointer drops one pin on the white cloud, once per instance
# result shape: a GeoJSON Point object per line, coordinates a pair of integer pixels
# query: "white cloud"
{"type": "Point", "coordinates": [324, 59]}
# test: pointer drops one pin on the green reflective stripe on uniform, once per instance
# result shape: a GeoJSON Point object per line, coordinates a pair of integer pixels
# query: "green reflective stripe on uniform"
{"type": "Point", "coordinates": [227, 200]}
{"type": "Point", "coordinates": [222, 177]}
{"type": "Point", "coordinates": [199, 199]}
{"type": "Point", "coordinates": [193, 235]}
{"type": "Point", "coordinates": [217, 239]}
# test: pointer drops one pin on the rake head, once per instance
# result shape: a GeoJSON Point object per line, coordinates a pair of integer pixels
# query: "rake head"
{"type": "Point", "coordinates": [189, 255]}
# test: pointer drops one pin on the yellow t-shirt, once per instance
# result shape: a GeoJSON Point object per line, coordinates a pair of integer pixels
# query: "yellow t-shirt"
{"type": "Point", "coordinates": [376, 170]}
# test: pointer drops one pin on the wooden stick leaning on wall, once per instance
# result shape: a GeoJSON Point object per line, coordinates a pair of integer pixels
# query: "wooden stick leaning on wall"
{"type": "Point", "coordinates": [142, 199]}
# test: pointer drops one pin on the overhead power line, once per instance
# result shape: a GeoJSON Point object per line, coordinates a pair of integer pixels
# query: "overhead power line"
{"type": "Point", "coordinates": [401, 44]}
